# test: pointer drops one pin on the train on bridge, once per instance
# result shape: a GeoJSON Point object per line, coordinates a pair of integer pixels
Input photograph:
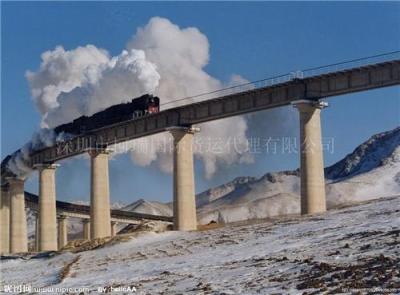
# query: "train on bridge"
{"type": "Point", "coordinates": [138, 107]}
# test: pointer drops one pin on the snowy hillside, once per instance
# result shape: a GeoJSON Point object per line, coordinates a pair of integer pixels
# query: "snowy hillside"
{"type": "Point", "coordinates": [149, 207]}
{"type": "Point", "coordinates": [380, 150]}
{"type": "Point", "coordinates": [215, 193]}
{"type": "Point", "coordinates": [371, 171]}
{"type": "Point", "coordinates": [271, 195]}
{"type": "Point", "coordinates": [343, 251]}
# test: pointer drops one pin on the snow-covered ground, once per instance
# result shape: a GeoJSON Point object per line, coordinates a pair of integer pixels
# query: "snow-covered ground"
{"type": "Point", "coordinates": [345, 249]}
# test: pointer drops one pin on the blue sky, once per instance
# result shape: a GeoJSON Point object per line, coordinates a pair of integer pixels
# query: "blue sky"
{"type": "Point", "coordinates": [253, 39]}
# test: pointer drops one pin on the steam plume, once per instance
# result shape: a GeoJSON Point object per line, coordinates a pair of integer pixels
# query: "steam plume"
{"type": "Point", "coordinates": [160, 58]}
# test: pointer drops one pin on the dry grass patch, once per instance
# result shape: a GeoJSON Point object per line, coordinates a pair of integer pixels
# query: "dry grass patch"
{"type": "Point", "coordinates": [65, 271]}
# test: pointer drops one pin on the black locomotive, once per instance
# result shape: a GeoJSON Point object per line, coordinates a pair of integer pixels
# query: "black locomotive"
{"type": "Point", "coordinates": [138, 107]}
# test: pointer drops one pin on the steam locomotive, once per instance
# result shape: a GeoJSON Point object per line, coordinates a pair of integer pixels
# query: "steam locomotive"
{"type": "Point", "coordinates": [138, 107]}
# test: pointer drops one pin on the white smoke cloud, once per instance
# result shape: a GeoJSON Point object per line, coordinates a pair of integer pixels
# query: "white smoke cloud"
{"type": "Point", "coordinates": [85, 80]}
{"type": "Point", "coordinates": [19, 163]}
{"type": "Point", "coordinates": [161, 58]}
{"type": "Point", "coordinates": [79, 82]}
{"type": "Point", "coordinates": [62, 71]}
{"type": "Point", "coordinates": [180, 56]}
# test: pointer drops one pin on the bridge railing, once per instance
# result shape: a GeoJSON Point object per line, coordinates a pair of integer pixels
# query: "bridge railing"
{"type": "Point", "coordinates": [351, 64]}
{"type": "Point", "coordinates": [299, 74]}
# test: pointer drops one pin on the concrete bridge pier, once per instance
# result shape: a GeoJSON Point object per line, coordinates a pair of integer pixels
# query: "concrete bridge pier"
{"type": "Point", "coordinates": [86, 229]}
{"type": "Point", "coordinates": [113, 228]}
{"type": "Point", "coordinates": [47, 207]}
{"type": "Point", "coordinates": [37, 232]}
{"type": "Point", "coordinates": [312, 180]}
{"type": "Point", "coordinates": [62, 231]}
{"type": "Point", "coordinates": [5, 220]}
{"type": "Point", "coordinates": [184, 205]}
{"type": "Point", "coordinates": [100, 217]}
{"type": "Point", "coordinates": [18, 226]}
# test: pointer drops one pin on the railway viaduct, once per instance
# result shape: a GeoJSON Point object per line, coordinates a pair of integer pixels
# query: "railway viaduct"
{"type": "Point", "coordinates": [67, 210]}
{"type": "Point", "coordinates": [304, 90]}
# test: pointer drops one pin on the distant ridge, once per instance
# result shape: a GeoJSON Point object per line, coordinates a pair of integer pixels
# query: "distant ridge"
{"type": "Point", "coordinates": [375, 152]}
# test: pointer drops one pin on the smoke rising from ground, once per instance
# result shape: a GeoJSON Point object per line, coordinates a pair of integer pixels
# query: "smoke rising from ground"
{"type": "Point", "coordinates": [160, 58]}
